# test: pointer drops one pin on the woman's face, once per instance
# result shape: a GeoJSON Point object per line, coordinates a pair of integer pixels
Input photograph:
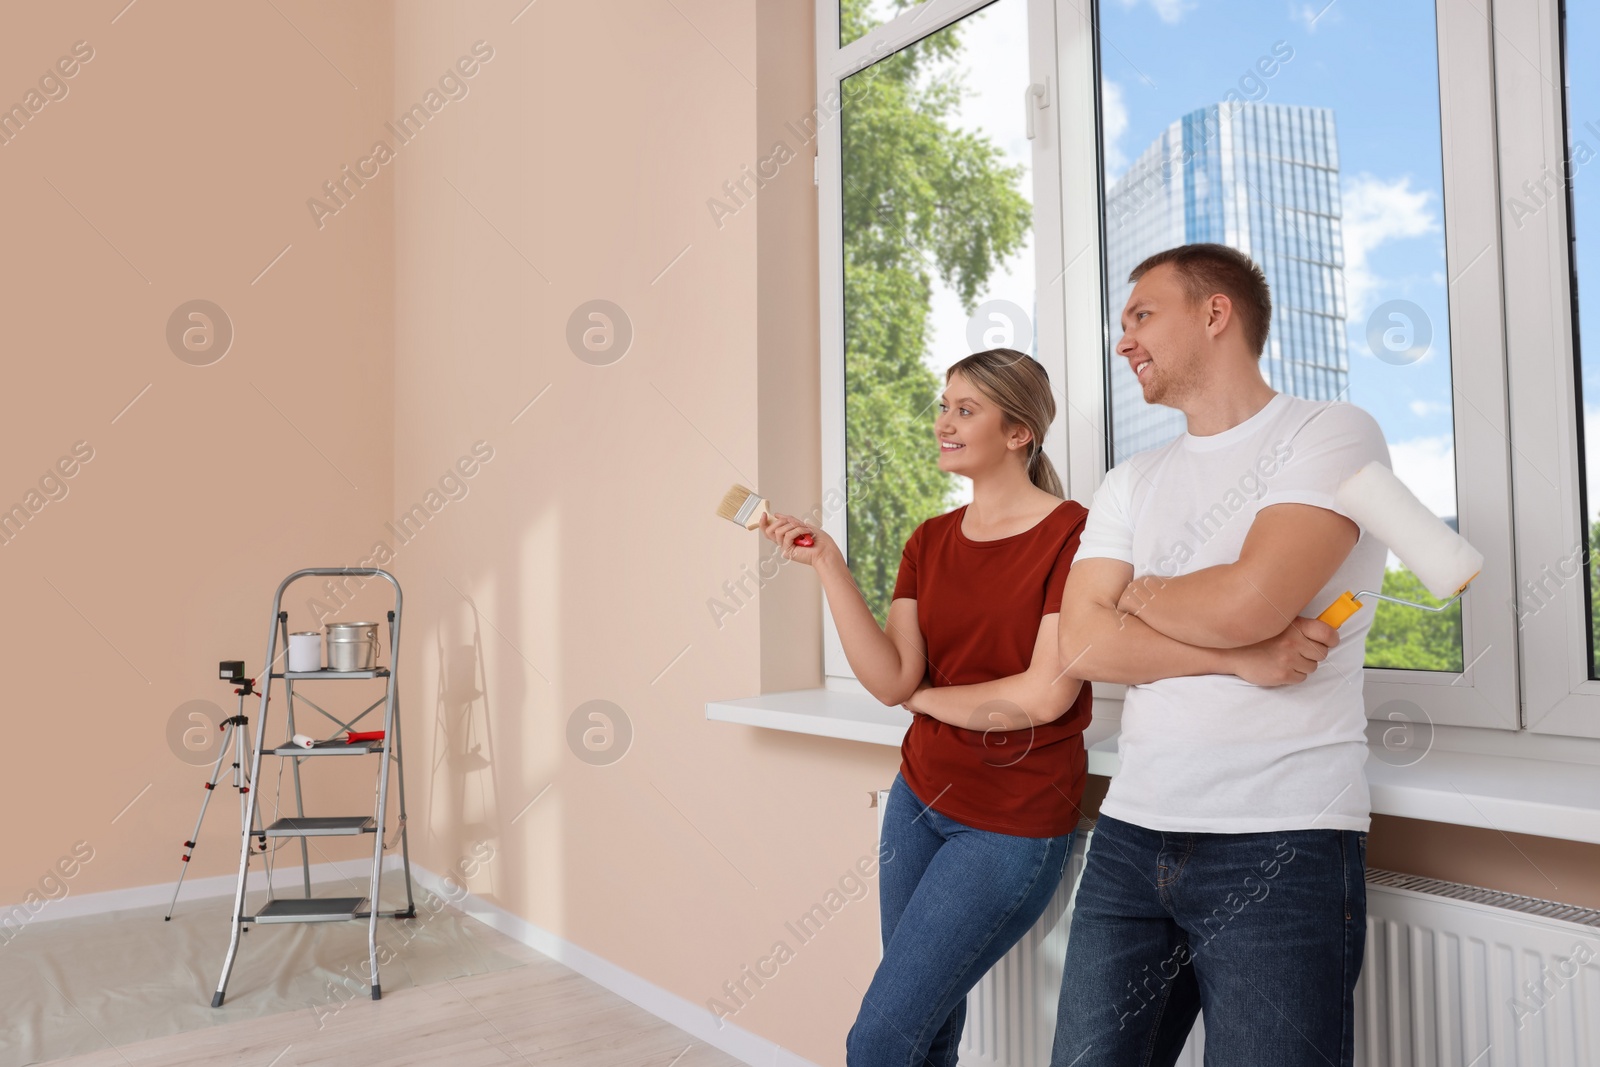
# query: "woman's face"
{"type": "Point", "coordinates": [970, 433]}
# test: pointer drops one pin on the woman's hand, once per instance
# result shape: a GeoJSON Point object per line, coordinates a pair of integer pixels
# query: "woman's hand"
{"type": "Point", "coordinates": [911, 701]}
{"type": "Point", "coordinates": [784, 529]}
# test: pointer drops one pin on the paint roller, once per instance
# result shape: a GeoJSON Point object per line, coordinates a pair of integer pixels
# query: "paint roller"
{"type": "Point", "coordinates": [351, 737]}
{"type": "Point", "coordinates": [1381, 505]}
{"type": "Point", "coordinates": [1441, 559]}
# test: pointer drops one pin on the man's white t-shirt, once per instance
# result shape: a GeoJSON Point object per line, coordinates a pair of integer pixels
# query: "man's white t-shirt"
{"type": "Point", "coordinates": [1213, 753]}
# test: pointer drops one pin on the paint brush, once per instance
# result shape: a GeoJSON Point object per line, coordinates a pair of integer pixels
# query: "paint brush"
{"type": "Point", "coordinates": [746, 506]}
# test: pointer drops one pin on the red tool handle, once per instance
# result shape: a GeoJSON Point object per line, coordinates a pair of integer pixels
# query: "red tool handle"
{"type": "Point", "coordinates": [353, 736]}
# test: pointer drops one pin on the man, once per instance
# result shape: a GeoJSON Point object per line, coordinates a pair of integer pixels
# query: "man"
{"type": "Point", "coordinates": [1226, 871]}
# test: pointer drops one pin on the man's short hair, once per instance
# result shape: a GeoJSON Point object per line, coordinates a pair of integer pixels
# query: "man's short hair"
{"type": "Point", "coordinates": [1206, 269]}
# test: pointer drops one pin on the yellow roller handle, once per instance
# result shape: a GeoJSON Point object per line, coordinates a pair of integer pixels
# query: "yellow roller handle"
{"type": "Point", "coordinates": [1340, 610]}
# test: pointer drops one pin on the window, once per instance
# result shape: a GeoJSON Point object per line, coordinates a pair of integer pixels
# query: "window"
{"type": "Point", "coordinates": [1251, 133]}
{"type": "Point", "coordinates": [1551, 226]}
{"type": "Point", "coordinates": [1582, 201]}
{"type": "Point", "coordinates": [857, 18]}
{"type": "Point", "coordinates": [1372, 203]}
{"type": "Point", "coordinates": [937, 256]}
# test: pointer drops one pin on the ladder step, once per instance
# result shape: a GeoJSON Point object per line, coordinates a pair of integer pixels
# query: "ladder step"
{"type": "Point", "coordinates": [310, 910]}
{"type": "Point", "coordinates": [322, 826]}
{"type": "Point", "coordinates": [377, 672]}
{"type": "Point", "coordinates": [327, 748]}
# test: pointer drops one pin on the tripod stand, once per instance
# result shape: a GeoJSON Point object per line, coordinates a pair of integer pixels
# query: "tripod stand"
{"type": "Point", "coordinates": [232, 729]}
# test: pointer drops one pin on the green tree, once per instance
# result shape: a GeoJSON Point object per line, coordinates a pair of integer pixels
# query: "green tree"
{"type": "Point", "coordinates": [1410, 638]}
{"type": "Point", "coordinates": [1594, 595]}
{"type": "Point", "coordinates": [921, 199]}
{"type": "Point", "coordinates": [1431, 641]}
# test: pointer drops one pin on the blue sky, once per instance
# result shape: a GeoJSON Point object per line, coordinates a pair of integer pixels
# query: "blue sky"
{"type": "Point", "coordinates": [1376, 66]}
{"type": "Point", "coordinates": [1583, 107]}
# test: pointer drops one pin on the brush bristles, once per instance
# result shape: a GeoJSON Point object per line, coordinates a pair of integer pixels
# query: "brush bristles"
{"type": "Point", "coordinates": [742, 506]}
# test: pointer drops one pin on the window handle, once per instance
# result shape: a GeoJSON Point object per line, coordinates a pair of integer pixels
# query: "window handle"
{"type": "Point", "coordinates": [1038, 92]}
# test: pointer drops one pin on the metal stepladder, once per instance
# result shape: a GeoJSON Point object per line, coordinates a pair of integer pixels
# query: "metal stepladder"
{"type": "Point", "coordinates": [325, 909]}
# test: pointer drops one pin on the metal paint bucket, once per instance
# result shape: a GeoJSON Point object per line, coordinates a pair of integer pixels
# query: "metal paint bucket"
{"type": "Point", "coordinates": [352, 646]}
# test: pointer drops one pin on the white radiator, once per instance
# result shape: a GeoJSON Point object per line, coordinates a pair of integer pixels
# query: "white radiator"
{"type": "Point", "coordinates": [1458, 975]}
{"type": "Point", "coordinates": [1453, 976]}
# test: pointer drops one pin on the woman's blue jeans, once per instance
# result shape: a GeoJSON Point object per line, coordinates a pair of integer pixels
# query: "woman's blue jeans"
{"type": "Point", "coordinates": [953, 900]}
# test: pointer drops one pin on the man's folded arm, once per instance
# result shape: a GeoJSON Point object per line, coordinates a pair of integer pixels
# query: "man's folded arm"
{"type": "Point", "coordinates": [1102, 643]}
{"type": "Point", "coordinates": [1290, 553]}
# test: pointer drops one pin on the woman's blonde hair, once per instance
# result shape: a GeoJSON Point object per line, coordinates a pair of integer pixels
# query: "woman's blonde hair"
{"type": "Point", "coordinates": [1017, 384]}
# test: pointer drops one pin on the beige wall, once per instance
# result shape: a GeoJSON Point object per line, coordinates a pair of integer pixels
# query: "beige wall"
{"type": "Point", "coordinates": [579, 562]}
{"type": "Point", "coordinates": [177, 167]}
{"type": "Point", "coordinates": [581, 566]}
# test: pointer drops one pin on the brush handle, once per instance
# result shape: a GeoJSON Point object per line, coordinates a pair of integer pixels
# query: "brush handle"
{"type": "Point", "coordinates": [805, 540]}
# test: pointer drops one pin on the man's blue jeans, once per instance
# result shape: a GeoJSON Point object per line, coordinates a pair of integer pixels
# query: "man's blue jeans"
{"type": "Point", "coordinates": [953, 900]}
{"type": "Point", "coordinates": [1263, 932]}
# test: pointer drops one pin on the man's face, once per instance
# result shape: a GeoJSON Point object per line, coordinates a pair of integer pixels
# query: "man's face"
{"type": "Point", "coordinates": [1162, 338]}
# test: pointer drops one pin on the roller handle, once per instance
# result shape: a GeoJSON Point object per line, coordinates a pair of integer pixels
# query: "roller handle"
{"type": "Point", "coordinates": [1336, 613]}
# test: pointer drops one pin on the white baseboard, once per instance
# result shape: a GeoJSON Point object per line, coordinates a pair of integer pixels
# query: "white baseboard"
{"type": "Point", "coordinates": [689, 1017]}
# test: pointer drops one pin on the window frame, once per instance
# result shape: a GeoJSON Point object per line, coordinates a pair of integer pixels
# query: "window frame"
{"type": "Point", "coordinates": [834, 65]}
{"type": "Point", "coordinates": [1494, 287]}
{"type": "Point", "coordinates": [1560, 698]}
{"type": "Point", "coordinates": [1485, 694]}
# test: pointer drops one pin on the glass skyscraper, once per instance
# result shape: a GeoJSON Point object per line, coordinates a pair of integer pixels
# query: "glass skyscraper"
{"type": "Point", "coordinates": [1262, 178]}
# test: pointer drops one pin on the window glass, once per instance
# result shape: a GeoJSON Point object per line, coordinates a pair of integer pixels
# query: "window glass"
{"type": "Point", "coordinates": [857, 17]}
{"type": "Point", "coordinates": [1297, 134]}
{"type": "Point", "coordinates": [937, 213]}
{"type": "Point", "coordinates": [1583, 146]}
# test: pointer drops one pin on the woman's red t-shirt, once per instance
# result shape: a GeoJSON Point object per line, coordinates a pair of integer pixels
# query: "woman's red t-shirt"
{"type": "Point", "coordinates": [979, 604]}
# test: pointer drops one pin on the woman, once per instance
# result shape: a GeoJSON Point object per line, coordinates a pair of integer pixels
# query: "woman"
{"type": "Point", "coordinates": [979, 821]}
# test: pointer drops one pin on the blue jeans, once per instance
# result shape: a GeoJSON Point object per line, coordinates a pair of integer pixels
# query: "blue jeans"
{"type": "Point", "coordinates": [1263, 932]}
{"type": "Point", "coordinates": [953, 900]}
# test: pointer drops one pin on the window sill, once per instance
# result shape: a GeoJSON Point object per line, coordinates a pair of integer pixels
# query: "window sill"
{"type": "Point", "coordinates": [1513, 794]}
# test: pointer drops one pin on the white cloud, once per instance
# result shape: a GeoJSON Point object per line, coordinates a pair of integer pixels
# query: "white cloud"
{"type": "Point", "coordinates": [1423, 408]}
{"type": "Point", "coordinates": [1168, 10]}
{"type": "Point", "coordinates": [1114, 123]}
{"type": "Point", "coordinates": [1376, 212]}
{"type": "Point", "coordinates": [1427, 465]}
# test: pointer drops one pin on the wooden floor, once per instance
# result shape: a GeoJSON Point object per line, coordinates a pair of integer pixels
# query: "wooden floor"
{"type": "Point", "coordinates": [541, 1013]}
